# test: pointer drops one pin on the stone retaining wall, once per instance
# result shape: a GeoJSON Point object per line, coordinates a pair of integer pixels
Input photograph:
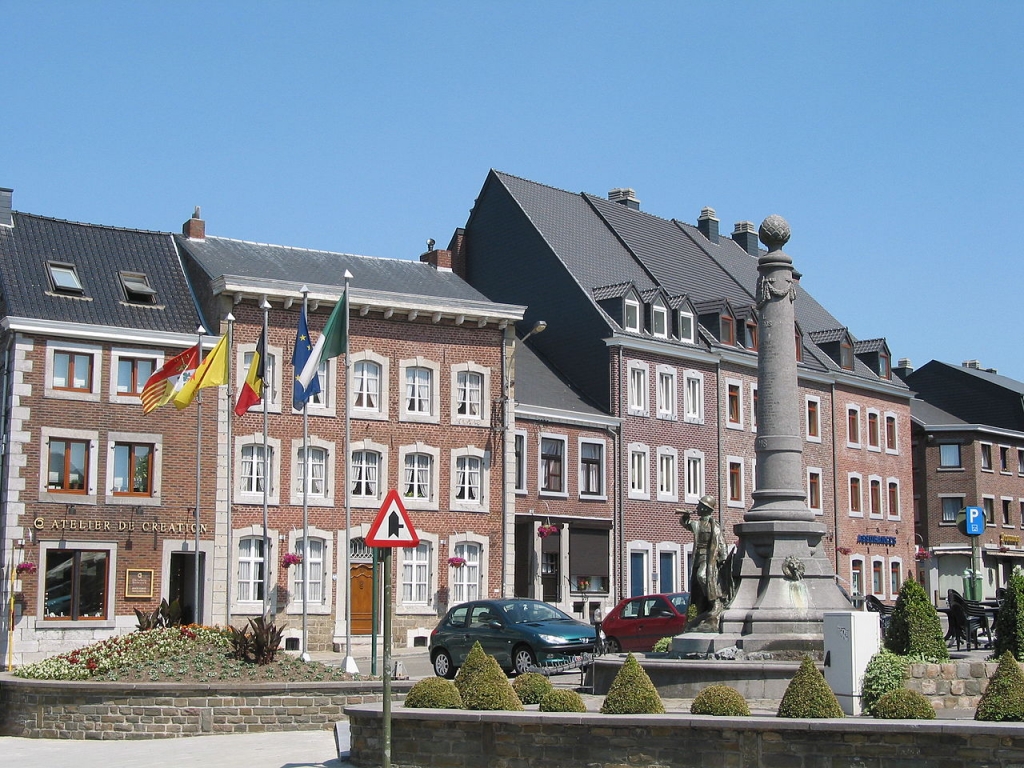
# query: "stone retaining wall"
{"type": "Point", "coordinates": [460, 739]}
{"type": "Point", "coordinates": [954, 685]}
{"type": "Point", "coordinates": [51, 709]}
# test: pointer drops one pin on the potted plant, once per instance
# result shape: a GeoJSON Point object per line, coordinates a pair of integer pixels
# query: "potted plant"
{"type": "Point", "coordinates": [290, 559]}
{"type": "Point", "coordinates": [583, 583]}
{"type": "Point", "coordinates": [547, 530]}
{"type": "Point", "coordinates": [27, 568]}
{"type": "Point", "coordinates": [456, 562]}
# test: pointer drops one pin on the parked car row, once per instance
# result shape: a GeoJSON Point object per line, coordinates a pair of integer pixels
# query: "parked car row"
{"type": "Point", "coordinates": [523, 634]}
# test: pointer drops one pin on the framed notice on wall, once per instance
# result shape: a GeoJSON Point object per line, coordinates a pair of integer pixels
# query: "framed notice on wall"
{"type": "Point", "coordinates": [138, 582]}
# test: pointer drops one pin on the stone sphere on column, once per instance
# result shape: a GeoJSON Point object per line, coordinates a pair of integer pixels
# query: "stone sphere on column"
{"type": "Point", "coordinates": [774, 232]}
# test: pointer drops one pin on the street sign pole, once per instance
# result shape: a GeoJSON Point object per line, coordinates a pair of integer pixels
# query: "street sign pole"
{"type": "Point", "coordinates": [971, 522]}
{"type": "Point", "coordinates": [386, 755]}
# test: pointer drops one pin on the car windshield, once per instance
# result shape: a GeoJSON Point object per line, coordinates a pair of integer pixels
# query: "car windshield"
{"type": "Point", "coordinates": [522, 613]}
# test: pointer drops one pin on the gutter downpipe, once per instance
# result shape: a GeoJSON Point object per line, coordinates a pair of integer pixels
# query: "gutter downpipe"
{"type": "Point", "coordinates": [619, 503]}
{"type": "Point", "coordinates": [5, 458]}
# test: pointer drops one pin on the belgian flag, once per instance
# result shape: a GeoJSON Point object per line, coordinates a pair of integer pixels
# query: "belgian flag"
{"type": "Point", "coordinates": [252, 389]}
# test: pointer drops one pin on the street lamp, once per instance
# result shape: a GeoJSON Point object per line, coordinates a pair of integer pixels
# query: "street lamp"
{"type": "Point", "coordinates": [508, 380]}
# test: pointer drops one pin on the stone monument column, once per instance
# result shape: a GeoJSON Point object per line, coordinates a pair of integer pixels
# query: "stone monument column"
{"type": "Point", "coordinates": [785, 579]}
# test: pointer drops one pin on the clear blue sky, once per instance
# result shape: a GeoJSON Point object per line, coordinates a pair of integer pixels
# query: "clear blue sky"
{"type": "Point", "coordinates": [889, 134]}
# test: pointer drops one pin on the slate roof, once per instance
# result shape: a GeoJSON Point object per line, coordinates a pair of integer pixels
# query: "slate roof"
{"type": "Point", "coordinates": [976, 396]}
{"type": "Point", "coordinates": [539, 384]}
{"type": "Point", "coordinates": [220, 256]}
{"type": "Point", "coordinates": [928, 415]}
{"type": "Point", "coordinates": [98, 254]}
{"type": "Point", "coordinates": [869, 345]}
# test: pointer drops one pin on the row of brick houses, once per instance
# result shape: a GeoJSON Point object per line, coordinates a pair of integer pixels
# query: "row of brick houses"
{"type": "Point", "coordinates": [569, 366]}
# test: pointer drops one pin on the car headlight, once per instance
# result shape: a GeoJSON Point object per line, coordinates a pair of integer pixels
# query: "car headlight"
{"type": "Point", "coordinates": [553, 639]}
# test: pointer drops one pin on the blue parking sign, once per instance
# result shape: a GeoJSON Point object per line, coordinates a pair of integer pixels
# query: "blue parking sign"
{"type": "Point", "coordinates": [975, 522]}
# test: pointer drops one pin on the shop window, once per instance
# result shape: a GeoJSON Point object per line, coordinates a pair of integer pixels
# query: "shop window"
{"type": "Point", "coordinates": [75, 584]}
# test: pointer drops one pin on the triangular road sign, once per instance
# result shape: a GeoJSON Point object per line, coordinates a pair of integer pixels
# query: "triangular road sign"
{"type": "Point", "coordinates": [392, 526]}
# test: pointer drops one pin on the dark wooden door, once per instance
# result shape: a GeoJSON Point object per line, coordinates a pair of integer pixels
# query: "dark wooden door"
{"type": "Point", "coordinates": [362, 598]}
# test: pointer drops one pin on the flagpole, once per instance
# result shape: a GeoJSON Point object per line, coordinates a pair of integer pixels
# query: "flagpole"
{"type": "Point", "coordinates": [196, 616]}
{"type": "Point", "coordinates": [350, 663]}
{"type": "Point", "coordinates": [305, 510]}
{"type": "Point", "coordinates": [230, 536]}
{"type": "Point", "coordinates": [265, 306]}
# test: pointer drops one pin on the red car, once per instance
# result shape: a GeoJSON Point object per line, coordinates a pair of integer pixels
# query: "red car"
{"type": "Point", "coordinates": [637, 623]}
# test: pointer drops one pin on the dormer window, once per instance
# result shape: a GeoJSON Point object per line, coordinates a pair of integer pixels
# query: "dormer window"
{"type": "Point", "coordinates": [136, 288]}
{"type": "Point", "coordinates": [686, 327]}
{"type": "Point", "coordinates": [659, 320]}
{"type": "Point", "coordinates": [799, 339]}
{"type": "Point", "coordinates": [728, 328]}
{"type": "Point", "coordinates": [846, 355]}
{"type": "Point", "coordinates": [884, 367]}
{"type": "Point", "coordinates": [632, 317]}
{"type": "Point", "coordinates": [751, 328]}
{"type": "Point", "coordinates": [64, 278]}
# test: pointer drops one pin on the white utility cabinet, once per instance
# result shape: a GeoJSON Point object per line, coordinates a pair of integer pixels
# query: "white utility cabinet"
{"type": "Point", "coordinates": [851, 639]}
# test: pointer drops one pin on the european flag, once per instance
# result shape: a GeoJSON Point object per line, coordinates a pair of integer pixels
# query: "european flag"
{"type": "Point", "coordinates": [300, 355]}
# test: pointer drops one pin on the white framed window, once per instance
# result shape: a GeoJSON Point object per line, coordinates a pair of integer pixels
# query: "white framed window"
{"type": "Point", "coordinates": [814, 490]}
{"type": "Point", "coordinates": [694, 394]}
{"type": "Point", "coordinates": [659, 319]}
{"type": "Point", "coordinates": [668, 575]}
{"type": "Point", "coordinates": [640, 554]}
{"type": "Point", "coordinates": [468, 581]}
{"type": "Point", "coordinates": [368, 469]}
{"type": "Point", "coordinates": [370, 376]}
{"type": "Point", "coordinates": [668, 473]}
{"type": "Point", "coordinates": [878, 577]}
{"type": "Point", "coordinates": [470, 478]}
{"type": "Point", "coordinates": [666, 392]}
{"type": "Point", "coordinates": [753, 406]}
{"type": "Point", "coordinates": [632, 313]}
{"type": "Point", "coordinates": [73, 371]}
{"type": "Point", "coordinates": [271, 371]}
{"type": "Point", "coordinates": [733, 404]}
{"type": "Point", "coordinates": [68, 465]}
{"type": "Point", "coordinates": [892, 443]}
{"type": "Point", "coordinates": [323, 402]}
{"type": "Point", "coordinates": [251, 567]}
{"type": "Point", "coordinates": [686, 327]}
{"type": "Point", "coordinates": [318, 476]}
{"type": "Point", "coordinates": [895, 576]}
{"type": "Point", "coordinates": [316, 558]}
{"type": "Point", "coordinates": [638, 388]}
{"type": "Point", "coordinates": [592, 463]}
{"type": "Point", "coordinates": [874, 430]}
{"type": "Point", "coordinates": [420, 399]}
{"type": "Point", "coordinates": [130, 369]}
{"type": "Point", "coordinates": [812, 418]}
{"type": "Point", "coordinates": [134, 473]}
{"type": "Point", "coordinates": [853, 426]}
{"type": "Point", "coordinates": [736, 481]}
{"type": "Point", "coordinates": [855, 494]}
{"type": "Point", "coordinates": [639, 471]}
{"type": "Point", "coordinates": [552, 478]}
{"type": "Point", "coordinates": [875, 508]}
{"type": "Point", "coordinates": [694, 475]}
{"type": "Point", "coordinates": [893, 503]}
{"type": "Point", "coordinates": [417, 572]}
{"type": "Point", "coordinates": [470, 401]}
{"type": "Point", "coordinates": [521, 461]}
{"type": "Point", "coordinates": [251, 469]}
{"type": "Point", "coordinates": [418, 464]}
{"type": "Point", "coordinates": [857, 576]}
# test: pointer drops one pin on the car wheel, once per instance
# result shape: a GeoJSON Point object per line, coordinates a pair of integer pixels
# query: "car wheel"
{"type": "Point", "coordinates": [613, 645]}
{"type": "Point", "coordinates": [443, 666]}
{"type": "Point", "coordinates": [523, 659]}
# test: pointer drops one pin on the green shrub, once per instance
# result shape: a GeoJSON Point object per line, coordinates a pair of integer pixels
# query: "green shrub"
{"type": "Point", "coordinates": [482, 684]}
{"type": "Point", "coordinates": [914, 625]}
{"type": "Point", "coordinates": [903, 704]}
{"type": "Point", "coordinates": [433, 693]}
{"type": "Point", "coordinates": [562, 700]}
{"type": "Point", "coordinates": [808, 695]}
{"type": "Point", "coordinates": [530, 687]}
{"type": "Point", "coordinates": [1004, 697]}
{"type": "Point", "coordinates": [885, 672]}
{"type": "Point", "coordinates": [632, 692]}
{"type": "Point", "coordinates": [1010, 621]}
{"type": "Point", "coordinates": [720, 700]}
{"type": "Point", "coordinates": [662, 646]}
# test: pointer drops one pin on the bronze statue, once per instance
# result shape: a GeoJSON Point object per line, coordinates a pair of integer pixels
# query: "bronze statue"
{"type": "Point", "coordinates": [711, 582]}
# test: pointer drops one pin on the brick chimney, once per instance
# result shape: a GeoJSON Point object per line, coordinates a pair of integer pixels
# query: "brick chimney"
{"type": "Point", "coordinates": [6, 200]}
{"type": "Point", "coordinates": [439, 260]}
{"type": "Point", "coordinates": [745, 235]}
{"type": "Point", "coordinates": [457, 245]}
{"type": "Point", "coordinates": [194, 228]}
{"type": "Point", "coordinates": [708, 224]}
{"type": "Point", "coordinates": [625, 196]}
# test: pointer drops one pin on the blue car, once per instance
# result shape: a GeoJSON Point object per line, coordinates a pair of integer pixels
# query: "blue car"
{"type": "Point", "coordinates": [521, 634]}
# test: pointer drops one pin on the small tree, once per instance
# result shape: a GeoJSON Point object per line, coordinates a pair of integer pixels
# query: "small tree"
{"type": "Point", "coordinates": [914, 627]}
{"type": "Point", "coordinates": [632, 692]}
{"type": "Point", "coordinates": [1004, 697]}
{"type": "Point", "coordinates": [808, 695]}
{"type": "Point", "coordinates": [482, 684]}
{"type": "Point", "coordinates": [1010, 621]}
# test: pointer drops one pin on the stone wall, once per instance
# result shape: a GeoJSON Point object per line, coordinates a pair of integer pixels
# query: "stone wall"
{"type": "Point", "coordinates": [954, 685]}
{"type": "Point", "coordinates": [51, 709]}
{"type": "Point", "coordinates": [460, 739]}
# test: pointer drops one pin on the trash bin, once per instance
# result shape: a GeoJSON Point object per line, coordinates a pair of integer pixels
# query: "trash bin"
{"type": "Point", "coordinates": [972, 584]}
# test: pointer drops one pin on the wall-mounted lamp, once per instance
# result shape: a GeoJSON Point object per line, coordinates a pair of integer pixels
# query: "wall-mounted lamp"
{"type": "Point", "coordinates": [70, 510]}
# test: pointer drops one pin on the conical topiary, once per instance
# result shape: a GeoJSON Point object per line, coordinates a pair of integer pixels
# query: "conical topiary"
{"type": "Point", "coordinates": [903, 704]}
{"type": "Point", "coordinates": [808, 695]}
{"type": "Point", "coordinates": [914, 626]}
{"type": "Point", "coordinates": [1004, 697]}
{"type": "Point", "coordinates": [482, 684]}
{"type": "Point", "coordinates": [632, 692]}
{"type": "Point", "coordinates": [530, 687]}
{"type": "Point", "coordinates": [1010, 620]}
{"type": "Point", "coordinates": [433, 693]}
{"type": "Point", "coordinates": [720, 700]}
